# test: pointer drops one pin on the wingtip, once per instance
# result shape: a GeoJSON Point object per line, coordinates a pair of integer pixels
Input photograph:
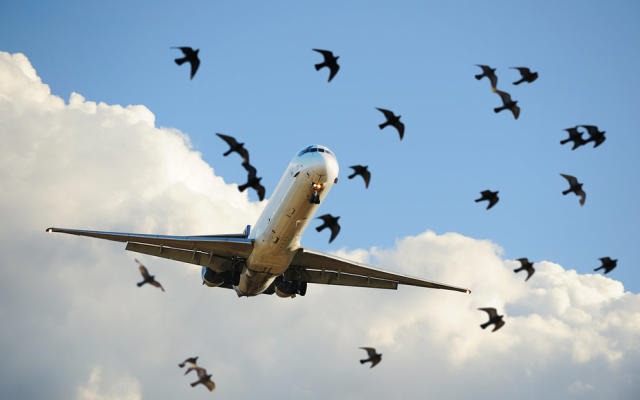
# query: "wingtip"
{"type": "Point", "coordinates": [49, 230]}
{"type": "Point", "coordinates": [468, 291]}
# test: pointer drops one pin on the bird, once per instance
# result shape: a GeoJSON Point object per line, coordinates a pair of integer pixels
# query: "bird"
{"type": "Point", "coordinates": [489, 73]}
{"type": "Point", "coordinates": [252, 181]}
{"type": "Point", "coordinates": [330, 222]}
{"type": "Point", "coordinates": [525, 265]}
{"type": "Point", "coordinates": [393, 120]}
{"type": "Point", "coordinates": [191, 360]}
{"type": "Point", "coordinates": [374, 357]}
{"type": "Point", "coordinates": [492, 197]}
{"type": "Point", "coordinates": [234, 146]}
{"type": "Point", "coordinates": [147, 278]}
{"type": "Point", "coordinates": [607, 264]}
{"type": "Point", "coordinates": [191, 56]}
{"type": "Point", "coordinates": [575, 187]}
{"type": "Point", "coordinates": [494, 318]}
{"type": "Point", "coordinates": [363, 171]}
{"type": "Point", "coordinates": [203, 379]}
{"type": "Point", "coordinates": [595, 135]}
{"type": "Point", "coordinates": [575, 136]}
{"type": "Point", "coordinates": [330, 61]}
{"type": "Point", "coordinates": [526, 75]}
{"type": "Point", "coordinates": [507, 103]}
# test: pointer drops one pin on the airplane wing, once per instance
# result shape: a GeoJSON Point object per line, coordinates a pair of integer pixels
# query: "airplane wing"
{"type": "Point", "coordinates": [212, 251]}
{"type": "Point", "coordinates": [316, 267]}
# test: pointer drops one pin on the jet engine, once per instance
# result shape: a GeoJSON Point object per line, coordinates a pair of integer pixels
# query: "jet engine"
{"type": "Point", "coordinates": [212, 278]}
{"type": "Point", "coordinates": [284, 288]}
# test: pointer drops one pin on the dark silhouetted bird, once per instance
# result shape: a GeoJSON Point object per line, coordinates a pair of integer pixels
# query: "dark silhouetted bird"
{"type": "Point", "coordinates": [393, 120]}
{"type": "Point", "coordinates": [374, 357]}
{"type": "Point", "coordinates": [191, 56]}
{"type": "Point", "coordinates": [492, 197]}
{"type": "Point", "coordinates": [575, 187]}
{"type": "Point", "coordinates": [525, 265]}
{"type": "Point", "coordinates": [330, 222]}
{"type": "Point", "coordinates": [252, 181]}
{"type": "Point", "coordinates": [147, 278]}
{"type": "Point", "coordinates": [607, 264]}
{"type": "Point", "coordinates": [507, 103]}
{"type": "Point", "coordinates": [494, 319]}
{"type": "Point", "coordinates": [234, 146]}
{"type": "Point", "coordinates": [526, 75]}
{"type": "Point", "coordinates": [595, 135]}
{"type": "Point", "coordinates": [330, 61]}
{"type": "Point", "coordinates": [363, 171]}
{"type": "Point", "coordinates": [575, 136]}
{"type": "Point", "coordinates": [489, 73]}
{"type": "Point", "coordinates": [204, 379]}
{"type": "Point", "coordinates": [193, 361]}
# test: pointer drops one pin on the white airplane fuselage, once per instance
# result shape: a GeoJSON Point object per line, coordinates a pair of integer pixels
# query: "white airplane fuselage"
{"type": "Point", "coordinates": [277, 232]}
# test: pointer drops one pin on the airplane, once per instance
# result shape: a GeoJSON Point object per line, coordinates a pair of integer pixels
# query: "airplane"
{"type": "Point", "coordinates": [268, 258]}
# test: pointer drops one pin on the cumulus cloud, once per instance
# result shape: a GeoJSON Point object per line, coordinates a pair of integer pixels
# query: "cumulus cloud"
{"type": "Point", "coordinates": [73, 317]}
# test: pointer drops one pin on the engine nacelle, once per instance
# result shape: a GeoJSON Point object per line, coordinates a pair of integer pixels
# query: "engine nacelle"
{"type": "Point", "coordinates": [284, 288]}
{"type": "Point", "coordinates": [212, 278]}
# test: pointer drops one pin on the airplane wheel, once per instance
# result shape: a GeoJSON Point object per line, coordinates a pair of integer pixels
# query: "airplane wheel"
{"type": "Point", "coordinates": [302, 288]}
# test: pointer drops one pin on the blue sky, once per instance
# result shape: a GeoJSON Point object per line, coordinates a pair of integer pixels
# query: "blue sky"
{"type": "Point", "coordinates": [257, 83]}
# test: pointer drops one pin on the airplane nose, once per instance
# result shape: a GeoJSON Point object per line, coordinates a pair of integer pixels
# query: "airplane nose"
{"type": "Point", "coordinates": [324, 168]}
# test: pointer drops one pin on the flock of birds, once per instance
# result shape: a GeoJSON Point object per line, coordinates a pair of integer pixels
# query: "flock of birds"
{"type": "Point", "coordinates": [391, 119]}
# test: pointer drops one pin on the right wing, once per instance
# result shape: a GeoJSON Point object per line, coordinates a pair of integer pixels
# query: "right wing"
{"type": "Point", "coordinates": [316, 267]}
{"type": "Point", "coordinates": [213, 251]}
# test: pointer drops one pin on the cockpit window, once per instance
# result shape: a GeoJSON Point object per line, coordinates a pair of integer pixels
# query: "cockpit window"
{"type": "Point", "coordinates": [314, 149]}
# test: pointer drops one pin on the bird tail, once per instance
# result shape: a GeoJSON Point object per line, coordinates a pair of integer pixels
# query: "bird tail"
{"type": "Point", "coordinates": [478, 200]}
{"type": "Point", "coordinates": [180, 61]}
{"type": "Point", "coordinates": [565, 141]}
{"type": "Point", "coordinates": [242, 188]}
{"type": "Point", "coordinates": [518, 82]}
{"type": "Point", "coordinates": [381, 126]}
{"type": "Point", "coordinates": [318, 66]}
{"type": "Point", "coordinates": [181, 365]}
{"type": "Point", "coordinates": [319, 228]}
{"type": "Point", "coordinates": [483, 326]}
{"type": "Point", "coordinates": [194, 383]}
{"type": "Point", "coordinates": [597, 269]}
{"type": "Point", "coordinates": [566, 192]}
{"type": "Point", "coordinates": [140, 284]}
{"type": "Point", "coordinates": [479, 76]}
{"type": "Point", "coordinates": [363, 361]}
{"type": "Point", "coordinates": [498, 109]}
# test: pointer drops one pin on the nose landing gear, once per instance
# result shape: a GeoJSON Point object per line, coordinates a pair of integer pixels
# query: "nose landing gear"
{"type": "Point", "coordinates": [315, 196]}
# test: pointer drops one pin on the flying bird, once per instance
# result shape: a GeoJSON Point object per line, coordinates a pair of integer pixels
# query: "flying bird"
{"type": "Point", "coordinates": [393, 120]}
{"type": "Point", "coordinates": [252, 181]}
{"type": "Point", "coordinates": [330, 61]}
{"type": "Point", "coordinates": [191, 56]}
{"type": "Point", "coordinates": [204, 379]}
{"type": "Point", "coordinates": [575, 187]}
{"type": "Point", "coordinates": [490, 73]}
{"type": "Point", "coordinates": [507, 103]}
{"type": "Point", "coordinates": [363, 171]}
{"type": "Point", "coordinates": [526, 75]}
{"type": "Point", "coordinates": [374, 357]}
{"type": "Point", "coordinates": [575, 136]}
{"type": "Point", "coordinates": [492, 197]}
{"type": "Point", "coordinates": [525, 265]}
{"type": "Point", "coordinates": [330, 222]}
{"type": "Point", "coordinates": [234, 146]}
{"type": "Point", "coordinates": [494, 319]}
{"type": "Point", "coordinates": [595, 135]}
{"type": "Point", "coordinates": [607, 264]}
{"type": "Point", "coordinates": [191, 361]}
{"type": "Point", "coordinates": [147, 278]}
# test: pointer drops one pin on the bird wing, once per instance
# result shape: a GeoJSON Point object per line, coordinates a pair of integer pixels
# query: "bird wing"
{"type": "Point", "coordinates": [261, 191]}
{"type": "Point", "coordinates": [523, 261]}
{"type": "Point", "coordinates": [388, 114]}
{"type": "Point", "coordinates": [143, 270]}
{"type": "Point", "coordinates": [370, 351]}
{"type": "Point", "coordinates": [583, 196]}
{"type": "Point", "coordinates": [490, 310]}
{"type": "Point", "coordinates": [523, 70]}
{"type": "Point", "coordinates": [231, 141]}
{"type": "Point", "coordinates": [195, 63]}
{"type": "Point", "coordinates": [326, 53]}
{"type": "Point", "coordinates": [571, 179]}
{"type": "Point", "coordinates": [516, 111]}
{"type": "Point", "coordinates": [212, 251]}
{"type": "Point", "coordinates": [186, 50]}
{"type": "Point", "coordinates": [499, 324]}
{"type": "Point", "coordinates": [315, 267]}
{"type": "Point", "coordinates": [157, 284]}
{"type": "Point", "coordinates": [209, 384]}
{"type": "Point", "coordinates": [335, 229]}
{"type": "Point", "coordinates": [506, 97]}
{"type": "Point", "coordinates": [400, 127]}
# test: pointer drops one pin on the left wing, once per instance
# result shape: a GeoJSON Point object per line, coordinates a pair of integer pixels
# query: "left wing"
{"type": "Point", "coordinates": [316, 267]}
{"type": "Point", "coordinates": [212, 251]}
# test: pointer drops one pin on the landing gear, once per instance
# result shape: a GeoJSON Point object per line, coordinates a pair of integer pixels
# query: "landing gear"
{"type": "Point", "coordinates": [315, 196]}
{"type": "Point", "coordinates": [289, 288]}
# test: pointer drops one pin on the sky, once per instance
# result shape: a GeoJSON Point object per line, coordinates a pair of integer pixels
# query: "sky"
{"type": "Point", "coordinates": [100, 129]}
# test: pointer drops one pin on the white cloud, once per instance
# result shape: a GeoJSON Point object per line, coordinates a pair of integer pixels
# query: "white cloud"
{"type": "Point", "coordinates": [73, 301]}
